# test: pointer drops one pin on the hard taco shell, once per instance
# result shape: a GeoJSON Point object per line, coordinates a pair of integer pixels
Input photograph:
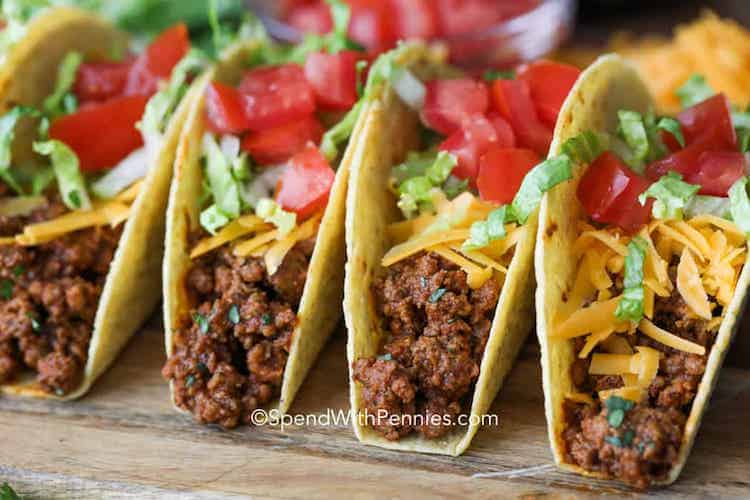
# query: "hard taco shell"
{"type": "Point", "coordinates": [131, 291]}
{"type": "Point", "coordinates": [608, 85]}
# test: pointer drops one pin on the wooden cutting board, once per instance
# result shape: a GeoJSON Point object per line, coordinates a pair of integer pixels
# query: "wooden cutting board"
{"type": "Point", "coordinates": [124, 440]}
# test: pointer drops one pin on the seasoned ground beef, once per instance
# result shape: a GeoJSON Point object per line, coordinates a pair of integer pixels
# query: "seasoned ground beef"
{"type": "Point", "coordinates": [437, 329]}
{"type": "Point", "coordinates": [48, 299]}
{"type": "Point", "coordinates": [644, 447]}
{"type": "Point", "coordinates": [231, 349]}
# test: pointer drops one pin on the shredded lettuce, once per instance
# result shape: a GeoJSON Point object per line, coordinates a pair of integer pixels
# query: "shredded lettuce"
{"type": "Point", "coordinates": [271, 212]}
{"type": "Point", "coordinates": [224, 187]}
{"type": "Point", "coordinates": [69, 178]}
{"type": "Point", "coordinates": [482, 233]}
{"type": "Point", "coordinates": [740, 204]}
{"type": "Point", "coordinates": [671, 195]}
{"type": "Point", "coordinates": [8, 124]}
{"type": "Point", "coordinates": [224, 36]}
{"type": "Point", "coordinates": [633, 131]}
{"type": "Point", "coordinates": [641, 136]}
{"type": "Point", "coordinates": [409, 88]}
{"type": "Point", "coordinates": [339, 133]}
{"type": "Point", "coordinates": [673, 127]}
{"type": "Point", "coordinates": [694, 90]}
{"type": "Point", "coordinates": [540, 179]}
{"type": "Point", "coordinates": [62, 101]}
{"type": "Point", "coordinates": [585, 147]}
{"type": "Point", "coordinates": [630, 306]}
{"type": "Point", "coordinates": [212, 219]}
{"type": "Point", "coordinates": [416, 191]}
{"type": "Point", "coordinates": [161, 106]}
{"type": "Point", "coordinates": [712, 205]}
{"type": "Point", "coordinates": [491, 75]}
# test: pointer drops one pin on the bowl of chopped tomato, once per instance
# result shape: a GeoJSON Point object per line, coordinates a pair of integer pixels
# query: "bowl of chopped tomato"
{"type": "Point", "coordinates": [480, 34]}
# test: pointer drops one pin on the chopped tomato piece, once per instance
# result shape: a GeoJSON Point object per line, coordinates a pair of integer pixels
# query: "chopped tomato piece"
{"type": "Point", "coordinates": [276, 95]}
{"type": "Point", "coordinates": [550, 83]}
{"type": "Point", "coordinates": [714, 171]}
{"type": "Point", "coordinates": [505, 136]}
{"type": "Point", "coordinates": [311, 18]}
{"type": "Point", "coordinates": [276, 145]}
{"type": "Point", "coordinates": [609, 193]}
{"type": "Point", "coordinates": [306, 183]}
{"type": "Point", "coordinates": [717, 171]}
{"type": "Point", "coordinates": [714, 112]}
{"type": "Point", "coordinates": [99, 81]}
{"type": "Point", "coordinates": [670, 141]}
{"type": "Point", "coordinates": [458, 17]}
{"type": "Point", "coordinates": [414, 19]}
{"type": "Point", "coordinates": [225, 109]}
{"type": "Point", "coordinates": [469, 144]}
{"type": "Point", "coordinates": [501, 171]}
{"type": "Point", "coordinates": [512, 98]}
{"type": "Point", "coordinates": [102, 134]}
{"type": "Point", "coordinates": [449, 103]}
{"type": "Point", "coordinates": [333, 77]}
{"type": "Point", "coordinates": [158, 60]}
{"type": "Point", "coordinates": [372, 24]}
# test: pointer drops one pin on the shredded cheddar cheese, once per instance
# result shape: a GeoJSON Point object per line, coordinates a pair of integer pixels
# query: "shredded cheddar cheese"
{"type": "Point", "coordinates": [664, 337]}
{"type": "Point", "coordinates": [237, 228]}
{"type": "Point", "coordinates": [580, 397]}
{"type": "Point", "coordinates": [248, 246]}
{"type": "Point", "coordinates": [476, 276]}
{"type": "Point", "coordinates": [278, 250]}
{"type": "Point", "coordinates": [415, 245]}
{"type": "Point", "coordinates": [690, 286]}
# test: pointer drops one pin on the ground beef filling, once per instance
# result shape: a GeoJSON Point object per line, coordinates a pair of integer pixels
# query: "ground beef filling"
{"type": "Point", "coordinates": [230, 351]}
{"type": "Point", "coordinates": [437, 328]}
{"type": "Point", "coordinates": [49, 295]}
{"type": "Point", "coordinates": [645, 446]}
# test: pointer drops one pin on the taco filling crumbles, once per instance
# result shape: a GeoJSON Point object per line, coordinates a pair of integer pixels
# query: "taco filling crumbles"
{"type": "Point", "coordinates": [657, 266]}
{"type": "Point", "coordinates": [463, 207]}
{"type": "Point", "coordinates": [61, 221]}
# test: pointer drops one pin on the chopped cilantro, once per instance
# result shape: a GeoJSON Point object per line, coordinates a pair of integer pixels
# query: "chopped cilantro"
{"type": "Point", "coordinates": [203, 369]}
{"type": "Point", "coordinates": [18, 270]}
{"type": "Point", "coordinates": [492, 74]}
{"type": "Point", "coordinates": [189, 381]}
{"type": "Point", "coordinates": [385, 357]}
{"type": "Point", "coordinates": [234, 314]}
{"type": "Point", "coordinates": [266, 319]}
{"type": "Point", "coordinates": [201, 321]}
{"type": "Point", "coordinates": [627, 438]}
{"type": "Point", "coordinates": [436, 295]}
{"type": "Point", "coordinates": [615, 417]}
{"type": "Point", "coordinates": [6, 289]}
{"type": "Point", "coordinates": [35, 325]}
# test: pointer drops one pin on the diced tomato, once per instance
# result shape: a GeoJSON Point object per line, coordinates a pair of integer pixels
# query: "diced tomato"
{"type": "Point", "coordinates": [99, 81]}
{"type": "Point", "coordinates": [458, 17]}
{"type": "Point", "coordinates": [717, 171]}
{"type": "Point", "coordinates": [414, 19]}
{"type": "Point", "coordinates": [276, 145]}
{"type": "Point", "coordinates": [306, 183]}
{"type": "Point", "coordinates": [158, 60]}
{"type": "Point", "coordinates": [609, 193]}
{"type": "Point", "coordinates": [505, 136]}
{"type": "Point", "coordinates": [276, 95]}
{"type": "Point", "coordinates": [501, 171]}
{"type": "Point", "coordinates": [469, 144]}
{"type": "Point", "coordinates": [512, 98]}
{"type": "Point", "coordinates": [550, 83]}
{"type": "Point", "coordinates": [449, 103]}
{"type": "Point", "coordinates": [333, 77]}
{"type": "Point", "coordinates": [698, 163]}
{"type": "Point", "coordinates": [102, 134]}
{"type": "Point", "coordinates": [372, 24]}
{"type": "Point", "coordinates": [714, 112]}
{"type": "Point", "coordinates": [225, 109]}
{"type": "Point", "coordinates": [311, 18]}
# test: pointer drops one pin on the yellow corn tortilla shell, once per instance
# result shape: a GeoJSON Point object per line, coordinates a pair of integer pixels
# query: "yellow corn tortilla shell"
{"type": "Point", "coordinates": [320, 308]}
{"type": "Point", "coordinates": [389, 131]}
{"type": "Point", "coordinates": [610, 84]}
{"type": "Point", "coordinates": [132, 288]}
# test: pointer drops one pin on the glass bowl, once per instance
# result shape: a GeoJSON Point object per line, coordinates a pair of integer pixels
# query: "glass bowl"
{"type": "Point", "coordinates": [528, 36]}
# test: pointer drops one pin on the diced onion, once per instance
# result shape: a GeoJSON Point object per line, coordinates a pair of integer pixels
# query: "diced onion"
{"type": "Point", "coordinates": [409, 88]}
{"type": "Point", "coordinates": [132, 168]}
{"type": "Point", "coordinates": [230, 146]}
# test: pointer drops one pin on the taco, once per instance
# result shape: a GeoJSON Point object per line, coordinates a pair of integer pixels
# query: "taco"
{"type": "Point", "coordinates": [641, 273]}
{"type": "Point", "coordinates": [82, 195]}
{"type": "Point", "coordinates": [441, 221]}
{"type": "Point", "coordinates": [253, 273]}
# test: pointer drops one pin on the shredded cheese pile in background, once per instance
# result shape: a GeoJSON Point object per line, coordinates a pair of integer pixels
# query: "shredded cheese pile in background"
{"type": "Point", "coordinates": [716, 48]}
{"type": "Point", "coordinates": [446, 231]}
{"type": "Point", "coordinates": [709, 252]}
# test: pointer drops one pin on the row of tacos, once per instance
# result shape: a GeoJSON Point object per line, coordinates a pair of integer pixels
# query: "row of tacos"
{"type": "Point", "coordinates": [430, 202]}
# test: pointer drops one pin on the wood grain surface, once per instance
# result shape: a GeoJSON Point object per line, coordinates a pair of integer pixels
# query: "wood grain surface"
{"type": "Point", "coordinates": [124, 440]}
